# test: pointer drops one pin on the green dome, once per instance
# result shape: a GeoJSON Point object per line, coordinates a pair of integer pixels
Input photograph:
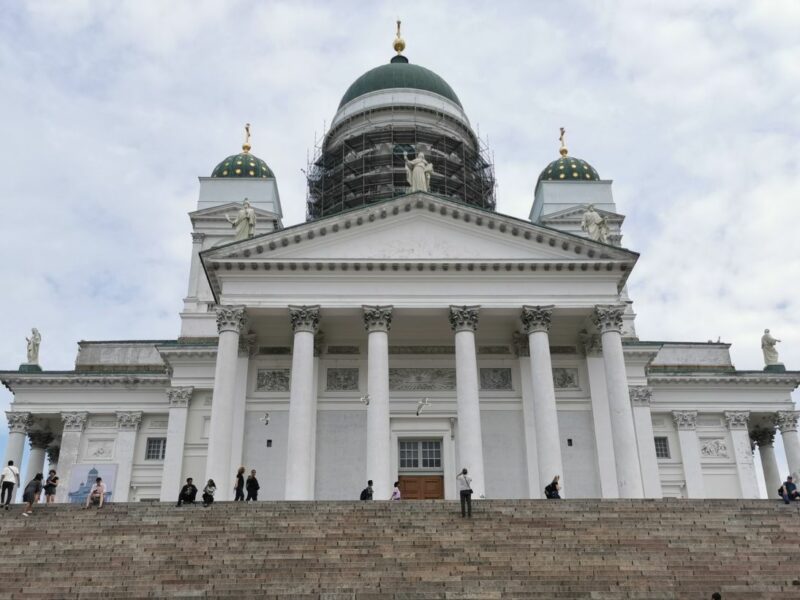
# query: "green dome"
{"type": "Point", "coordinates": [243, 164]}
{"type": "Point", "coordinates": [399, 74]}
{"type": "Point", "coordinates": [569, 168]}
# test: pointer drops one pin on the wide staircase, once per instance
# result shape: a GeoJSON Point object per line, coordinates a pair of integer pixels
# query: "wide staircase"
{"type": "Point", "coordinates": [414, 550]}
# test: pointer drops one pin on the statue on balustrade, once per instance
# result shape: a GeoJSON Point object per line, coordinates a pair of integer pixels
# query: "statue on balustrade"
{"type": "Point", "coordinates": [418, 173]}
{"type": "Point", "coordinates": [33, 346]}
{"type": "Point", "coordinates": [768, 348]}
{"type": "Point", "coordinates": [244, 223]}
{"type": "Point", "coordinates": [595, 226]}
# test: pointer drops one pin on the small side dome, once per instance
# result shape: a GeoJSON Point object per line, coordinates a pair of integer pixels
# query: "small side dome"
{"type": "Point", "coordinates": [568, 168]}
{"type": "Point", "coordinates": [243, 164]}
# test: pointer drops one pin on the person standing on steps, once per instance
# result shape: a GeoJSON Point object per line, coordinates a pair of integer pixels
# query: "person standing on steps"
{"type": "Point", "coordinates": [9, 478]}
{"type": "Point", "coordinates": [464, 482]}
{"type": "Point", "coordinates": [208, 492]}
{"type": "Point", "coordinates": [238, 486]}
{"type": "Point", "coordinates": [396, 491]}
{"type": "Point", "coordinates": [188, 492]}
{"type": "Point", "coordinates": [31, 494]}
{"type": "Point", "coordinates": [551, 490]}
{"type": "Point", "coordinates": [252, 487]}
{"type": "Point", "coordinates": [50, 487]}
{"type": "Point", "coordinates": [366, 493]}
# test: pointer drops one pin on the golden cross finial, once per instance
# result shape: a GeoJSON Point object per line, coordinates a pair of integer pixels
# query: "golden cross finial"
{"type": "Point", "coordinates": [563, 151]}
{"type": "Point", "coordinates": [399, 42]}
{"type": "Point", "coordinates": [246, 145]}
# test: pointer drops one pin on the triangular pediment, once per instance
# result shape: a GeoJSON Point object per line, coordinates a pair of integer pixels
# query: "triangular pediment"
{"type": "Point", "coordinates": [575, 213]}
{"type": "Point", "coordinates": [216, 213]}
{"type": "Point", "coordinates": [419, 227]}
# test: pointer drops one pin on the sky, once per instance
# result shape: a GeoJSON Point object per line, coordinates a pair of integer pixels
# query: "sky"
{"type": "Point", "coordinates": [110, 110]}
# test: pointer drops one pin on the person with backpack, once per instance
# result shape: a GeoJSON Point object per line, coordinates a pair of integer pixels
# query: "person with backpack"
{"type": "Point", "coordinates": [464, 482]}
{"type": "Point", "coordinates": [9, 478]}
{"type": "Point", "coordinates": [552, 489]}
{"type": "Point", "coordinates": [366, 493]}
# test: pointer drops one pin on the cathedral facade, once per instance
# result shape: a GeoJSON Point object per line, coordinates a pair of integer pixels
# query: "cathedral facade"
{"type": "Point", "coordinates": [405, 331]}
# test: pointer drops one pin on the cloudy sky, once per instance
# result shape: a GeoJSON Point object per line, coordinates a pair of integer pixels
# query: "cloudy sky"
{"type": "Point", "coordinates": [111, 110]}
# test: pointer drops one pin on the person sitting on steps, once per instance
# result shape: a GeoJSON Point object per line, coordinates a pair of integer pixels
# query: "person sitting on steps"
{"type": "Point", "coordinates": [188, 493]}
{"type": "Point", "coordinates": [788, 491]}
{"type": "Point", "coordinates": [208, 492]}
{"type": "Point", "coordinates": [551, 490]}
{"type": "Point", "coordinates": [97, 495]}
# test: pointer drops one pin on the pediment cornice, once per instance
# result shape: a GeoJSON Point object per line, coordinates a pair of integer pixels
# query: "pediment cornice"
{"type": "Point", "coordinates": [575, 214]}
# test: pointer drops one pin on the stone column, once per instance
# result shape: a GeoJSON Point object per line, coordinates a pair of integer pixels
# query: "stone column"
{"type": "Point", "coordinates": [464, 322]}
{"type": "Point", "coordinates": [786, 420]}
{"type": "Point", "coordinates": [743, 452]}
{"type": "Point", "coordinates": [74, 423]}
{"type": "Point", "coordinates": [643, 421]}
{"type": "Point", "coordinates": [522, 349]}
{"type": "Point", "coordinates": [536, 324]}
{"type": "Point", "coordinates": [171, 479]}
{"type": "Point", "coordinates": [247, 347]}
{"type": "Point", "coordinates": [601, 416]}
{"type": "Point", "coordinates": [302, 405]}
{"type": "Point", "coordinates": [608, 319]}
{"type": "Point", "coordinates": [378, 321]}
{"type": "Point", "coordinates": [39, 440]}
{"type": "Point", "coordinates": [686, 422]}
{"type": "Point", "coordinates": [127, 428]}
{"type": "Point", "coordinates": [18, 425]}
{"type": "Point", "coordinates": [195, 265]}
{"type": "Point", "coordinates": [765, 439]}
{"type": "Point", "coordinates": [231, 321]}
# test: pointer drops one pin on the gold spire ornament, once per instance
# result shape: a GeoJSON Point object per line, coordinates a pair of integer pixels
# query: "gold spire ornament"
{"type": "Point", "coordinates": [399, 42]}
{"type": "Point", "coordinates": [563, 151]}
{"type": "Point", "coordinates": [246, 145]}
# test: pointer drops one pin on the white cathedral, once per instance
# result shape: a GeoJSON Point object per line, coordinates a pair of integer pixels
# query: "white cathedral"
{"type": "Point", "coordinates": [404, 331]}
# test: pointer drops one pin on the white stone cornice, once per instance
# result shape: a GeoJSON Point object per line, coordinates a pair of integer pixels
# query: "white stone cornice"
{"type": "Point", "coordinates": [74, 421]}
{"type": "Point", "coordinates": [70, 378]}
{"type": "Point", "coordinates": [738, 378]}
{"type": "Point", "coordinates": [786, 420]}
{"type": "Point", "coordinates": [304, 318]}
{"type": "Point", "coordinates": [19, 422]}
{"type": "Point", "coordinates": [464, 318]}
{"type": "Point", "coordinates": [377, 317]}
{"type": "Point", "coordinates": [608, 317]}
{"type": "Point", "coordinates": [763, 436]}
{"type": "Point", "coordinates": [736, 419]}
{"type": "Point", "coordinates": [685, 419]}
{"type": "Point", "coordinates": [641, 395]}
{"type": "Point", "coordinates": [536, 318]}
{"type": "Point", "coordinates": [179, 396]}
{"type": "Point", "coordinates": [128, 421]}
{"type": "Point", "coordinates": [231, 318]}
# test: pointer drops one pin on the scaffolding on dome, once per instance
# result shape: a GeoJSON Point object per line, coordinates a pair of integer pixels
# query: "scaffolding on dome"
{"type": "Point", "coordinates": [369, 167]}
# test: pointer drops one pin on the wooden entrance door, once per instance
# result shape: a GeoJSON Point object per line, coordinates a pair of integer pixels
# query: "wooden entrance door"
{"type": "Point", "coordinates": [421, 487]}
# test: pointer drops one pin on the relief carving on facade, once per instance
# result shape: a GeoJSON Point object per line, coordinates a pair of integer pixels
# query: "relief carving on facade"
{"type": "Point", "coordinates": [716, 448]}
{"type": "Point", "coordinates": [273, 380]}
{"type": "Point", "coordinates": [565, 378]}
{"type": "Point", "coordinates": [100, 449]}
{"type": "Point", "coordinates": [536, 318]}
{"type": "Point", "coordinates": [685, 419]}
{"type": "Point", "coordinates": [343, 350]}
{"type": "Point", "coordinates": [495, 379]}
{"type": "Point", "coordinates": [422, 379]}
{"type": "Point", "coordinates": [589, 343]}
{"type": "Point", "coordinates": [342, 380]}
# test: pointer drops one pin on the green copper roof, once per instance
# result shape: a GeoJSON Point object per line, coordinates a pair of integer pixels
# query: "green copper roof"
{"type": "Point", "coordinates": [243, 164]}
{"type": "Point", "coordinates": [568, 168]}
{"type": "Point", "coordinates": [399, 74]}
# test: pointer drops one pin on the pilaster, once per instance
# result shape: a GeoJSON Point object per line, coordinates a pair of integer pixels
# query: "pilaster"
{"type": "Point", "coordinates": [127, 427]}
{"type": "Point", "coordinates": [686, 423]}
{"type": "Point", "coordinates": [737, 425]}
{"type": "Point", "coordinates": [171, 475]}
{"type": "Point", "coordinates": [74, 424]}
{"type": "Point", "coordinates": [641, 397]}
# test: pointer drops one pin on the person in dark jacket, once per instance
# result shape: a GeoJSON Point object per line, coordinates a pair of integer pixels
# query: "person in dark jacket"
{"type": "Point", "coordinates": [366, 493]}
{"type": "Point", "coordinates": [208, 492]}
{"type": "Point", "coordinates": [252, 487]}
{"type": "Point", "coordinates": [238, 486]}
{"type": "Point", "coordinates": [50, 487]}
{"type": "Point", "coordinates": [788, 491]}
{"type": "Point", "coordinates": [552, 489]}
{"type": "Point", "coordinates": [31, 494]}
{"type": "Point", "coordinates": [188, 493]}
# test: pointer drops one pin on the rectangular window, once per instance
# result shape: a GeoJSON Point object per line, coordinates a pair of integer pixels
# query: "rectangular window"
{"type": "Point", "coordinates": [420, 455]}
{"type": "Point", "coordinates": [409, 455]}
{"type": "Point", "coordinates": [662, 447]}
{"type": "Point", "coordinates": [156, 447]}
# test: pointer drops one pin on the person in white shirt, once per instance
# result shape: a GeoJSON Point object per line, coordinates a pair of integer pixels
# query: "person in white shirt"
{"type": "Point", "coordinates": [465, 492]}
{"type": "Point", "coordinates": [9, 478]}
{"type": "Point", "coordinates": [97, 493]}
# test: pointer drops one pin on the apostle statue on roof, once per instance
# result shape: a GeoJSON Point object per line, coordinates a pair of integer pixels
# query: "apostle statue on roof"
{"type": "Point", "coordinates": [768, 348]}
{"type": "Point", "coordinates": [418, 173]}
{"type": "Point", "coordinates": [33, 346]}
{"type": "Point", "coordinates": [595, 226]}
{"type": "Point", "coordinates": [244, 223]}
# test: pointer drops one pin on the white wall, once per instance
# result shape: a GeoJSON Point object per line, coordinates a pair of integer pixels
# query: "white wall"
{"type": "Point", "coordinates": [341, 460]}
{"type": "Point", "coordinates": [504, 454]}
{"type": "Point", "coordinates": [580, 479]}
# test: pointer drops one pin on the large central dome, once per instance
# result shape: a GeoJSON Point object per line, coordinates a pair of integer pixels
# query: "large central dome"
{"type": "Point", "coordinates": [399, 73]}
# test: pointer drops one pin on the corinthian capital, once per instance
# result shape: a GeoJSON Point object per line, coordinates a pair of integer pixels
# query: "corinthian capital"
{"type": "Point", "coordinates": [377, 318]}
{"type": "Point", "coordinates": [736, 419]}
{"type": "Point", "coordinates": [129, 421]}
{"type": "Point", "coordinates": [640, 395]}
{"type": "Point", "coordinates": [198, 238]}
{"type": "Point", "coordinates": [18, 422]}
{"type": "Point", "coordinates": [179, 396]}
{"type": "Point", "coordinates": [685, 419]}
{"type": "Point", "coordinates": [608, 317]}
{"type": "Point", "coordinates": [304, 318]}
{"type": "Point", "coordinates": [74, 421]}
{"type": "Point", "coordinates": [536, 318]}
{"type": "Point", "coordinates": [231, 318]}
{"type": "Point", "coordinates": [464, 318]}
{"type": "Point", "coordinates": [786, 420]}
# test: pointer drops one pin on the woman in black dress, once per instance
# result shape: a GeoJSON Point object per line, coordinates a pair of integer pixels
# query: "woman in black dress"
{"type": "Point", "coordinates": [252, 486]}
{"type": "Point", "coordinates": [238, 487]}
{"type": "Point", "coordinates": [50, 487]}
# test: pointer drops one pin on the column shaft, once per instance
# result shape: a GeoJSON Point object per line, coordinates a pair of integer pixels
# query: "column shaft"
{"type": "Point", "coordinates": [239, 409]}
{"type": "Point", "coordinates": [548, 439]}
{"type": "Point", "coordinates": [601, 415]}
{"type": "Point", "coordinates": [786, 421]}
{"type": "Point", "coordinates": [127, 428]}
{"type": "Point", "coordinates": [643, 422]}
{"type": "Point", "coordinates": [686, 422]}
{"type": "Point", "coordinates": [743, 453]}
{"type": "Point", "coordinates": [377, 320]}
{"type": "Point", "coordinates": [36, 458]}
{"type": "Point", "coordinates": [171, 476]}
{"type": "Point", "coordinates": [18, 425]}
{"type": "Point", "coordinates": [529, 421]}
{"type": "Point", "coordinates": [68, 455]}
{"type": "Point", "coordinates": [766, 449]}
{"type": "Point", "coordinates": [302, 406]}
{"type": "Point", "coordinates": [464, 321]}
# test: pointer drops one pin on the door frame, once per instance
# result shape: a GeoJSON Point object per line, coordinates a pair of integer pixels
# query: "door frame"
{"type": "Point", "coordinates": [434, 429]}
